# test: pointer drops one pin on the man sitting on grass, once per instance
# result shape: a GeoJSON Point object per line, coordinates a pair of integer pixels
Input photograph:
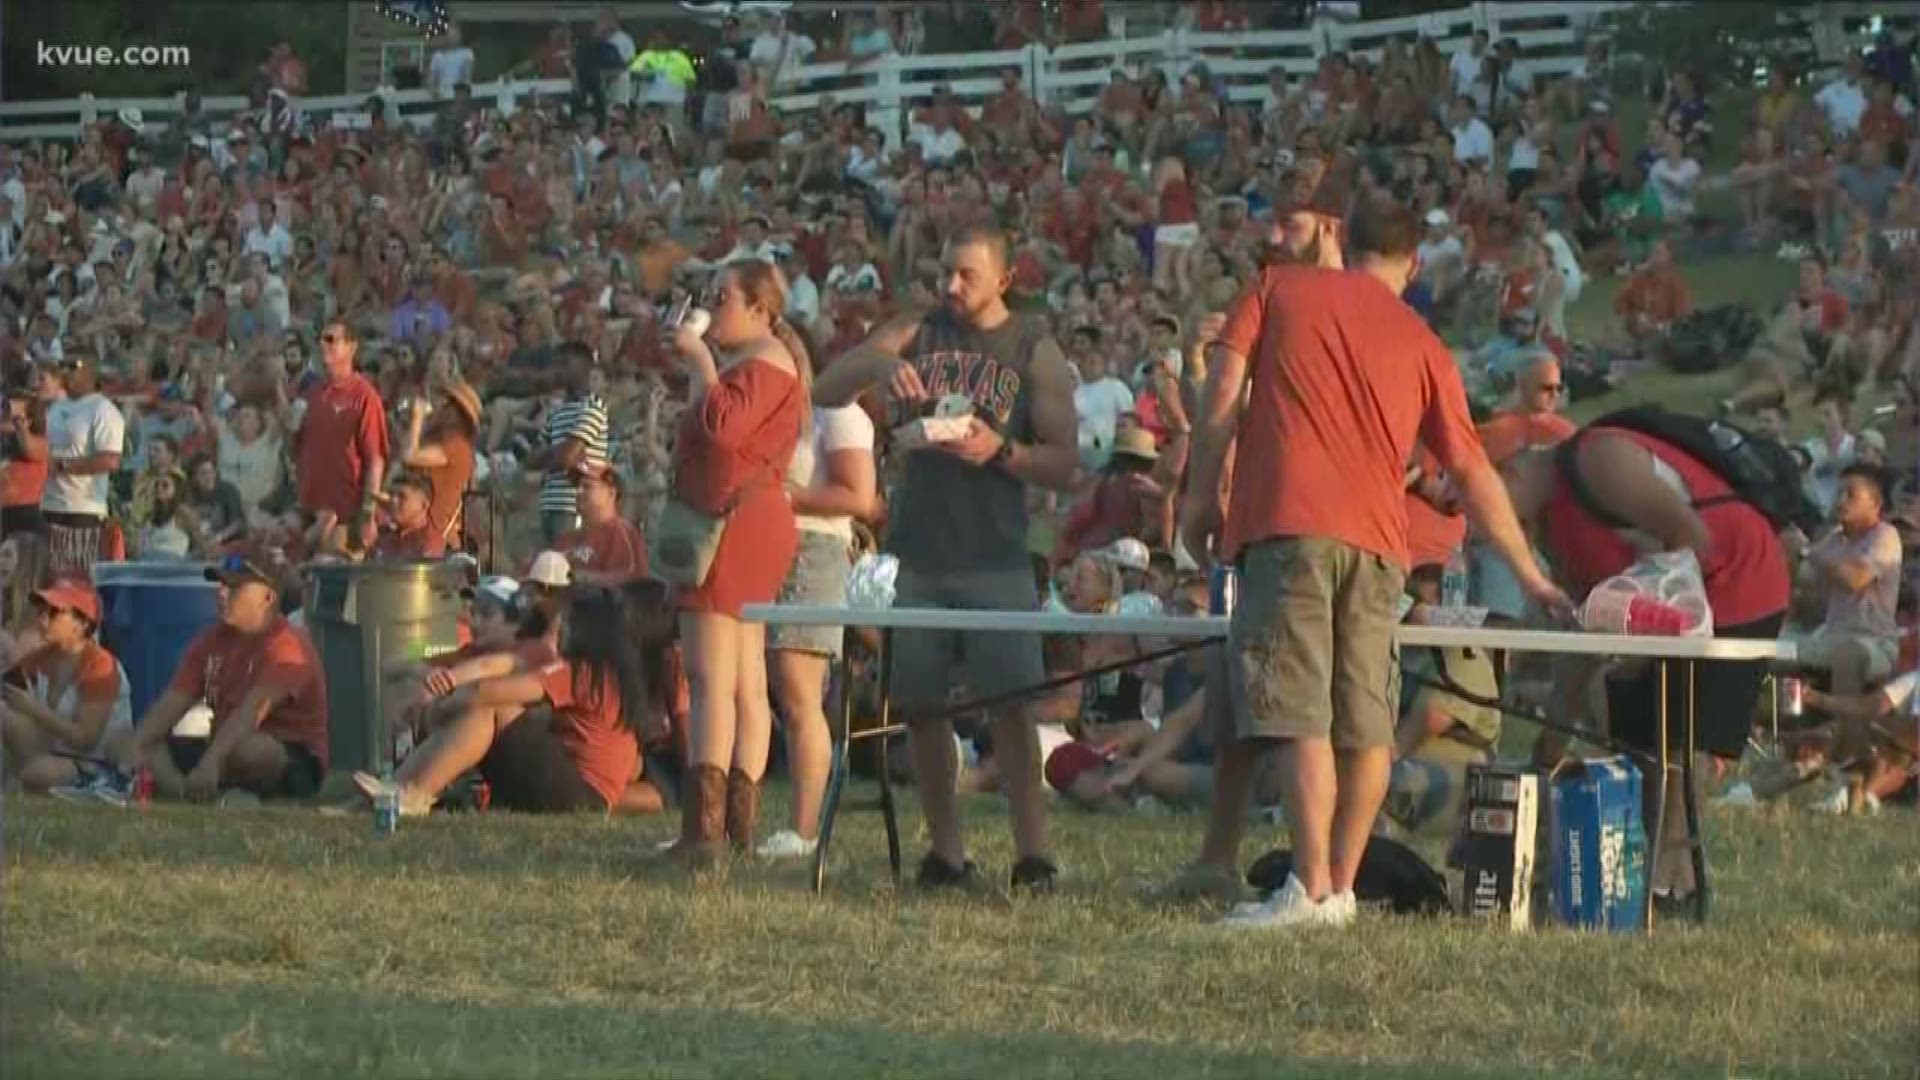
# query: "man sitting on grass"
{"type": "Point", "coordinates": [263, 682]}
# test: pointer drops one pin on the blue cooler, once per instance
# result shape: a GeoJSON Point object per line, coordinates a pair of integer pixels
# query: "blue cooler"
{"type": "Point", "coordinates": [150, 612]}
{"type": "Point", "coordinates": [1599, 845]}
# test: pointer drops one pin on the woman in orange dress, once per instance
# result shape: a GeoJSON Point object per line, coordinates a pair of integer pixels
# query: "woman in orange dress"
{"type": "Point", "coordinates": [750, 392]}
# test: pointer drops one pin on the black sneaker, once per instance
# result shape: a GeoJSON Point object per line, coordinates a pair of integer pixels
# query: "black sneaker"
{"type": "Point", "coordinates": [1034, 874]}
{"type": "Point", "coordinates": [938, 873]}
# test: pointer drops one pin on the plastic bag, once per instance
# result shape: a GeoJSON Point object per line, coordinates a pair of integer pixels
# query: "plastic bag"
{"type": "Point", "coordinates": [870, 585]}
{"type": "Point", "coordinates": [1662, 595]}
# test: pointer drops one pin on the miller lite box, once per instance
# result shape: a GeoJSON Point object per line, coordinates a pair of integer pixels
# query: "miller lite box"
{"type": "Point", "coordinates": [1599, 847]}
{"type": "Point", "coordinates": [1495, 850]}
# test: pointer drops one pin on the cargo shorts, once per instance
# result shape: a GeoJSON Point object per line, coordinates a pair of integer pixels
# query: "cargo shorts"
{"type": "Point", "coordinates": [1311, 650]}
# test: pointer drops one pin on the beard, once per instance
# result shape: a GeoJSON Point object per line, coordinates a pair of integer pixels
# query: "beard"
{"type": "Point", "coordinates": [1279, 254]}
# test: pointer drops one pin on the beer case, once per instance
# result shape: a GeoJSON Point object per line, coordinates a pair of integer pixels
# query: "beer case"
{"type": "Point", "coordinates": [1599, 847]}
{"type": "Point", "coordinates": [1497, 841]}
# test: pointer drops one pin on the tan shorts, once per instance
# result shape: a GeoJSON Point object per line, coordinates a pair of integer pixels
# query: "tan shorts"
{"type": "Point", "coordinates": [1817, 650]}
{"type": "Point", "coordinates": [1312, 643]}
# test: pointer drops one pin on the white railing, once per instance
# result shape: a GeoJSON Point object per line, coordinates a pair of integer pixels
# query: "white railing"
{"type": "Point", "coordinates": [1551, 38]}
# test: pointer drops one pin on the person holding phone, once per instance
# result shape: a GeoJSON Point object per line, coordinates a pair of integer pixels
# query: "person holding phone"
{"type": "Point", "coordinates": [65, 699]}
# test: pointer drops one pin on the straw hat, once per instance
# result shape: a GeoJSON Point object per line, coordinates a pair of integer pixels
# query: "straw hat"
{"type": "Point", "coordinates": [463, 398]}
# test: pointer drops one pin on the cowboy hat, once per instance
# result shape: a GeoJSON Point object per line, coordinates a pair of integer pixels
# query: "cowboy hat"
{"type": "Point", "coordinates": [131, 117]}
{"type": "Point", "coordinates": [463, 398]}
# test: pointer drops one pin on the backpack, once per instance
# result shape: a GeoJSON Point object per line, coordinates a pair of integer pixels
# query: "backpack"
{"type": "Point", "coordinates": [1709, 340]}
{"type": "Point", "coordinates": [1390, 872]}
{"type": "Point", "coordinates": [1762, 472]}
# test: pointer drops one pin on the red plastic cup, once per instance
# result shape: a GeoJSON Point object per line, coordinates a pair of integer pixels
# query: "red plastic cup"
{"type": "Point", "coordinates": [1647, 617]}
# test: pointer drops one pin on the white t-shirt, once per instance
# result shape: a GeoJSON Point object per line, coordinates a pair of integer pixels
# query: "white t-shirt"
{"type": "Point", "coordinates": [276, 244]}
{"type": "Point", "coordinates": [78, 429]}
{"type": "Point", "coordinates": [1465, 68]}
{"type": "Point", "coordinates": [1565, 261]}
{"type": "Point", "coordinates": [1844, 104]}
{"type": "Point", "coordinates": [1675, 184]}
{"type": "Point", "coordinates": [765, 52]}
{"type": "Point", "coordinates": [1823, 475]}
{"type": "Point", "coordinates": [939, 146]}
{"type": "Point", "coordinates": [1434, 255]}
{"type": "Point", "coordinates": [1100, 405]}
{"type": "Point", "coordinates": [845, 428]}
{"type": "Point", "coordinates": [803, 300]}
{"type": "Point", "coordinates": [449, 68]}
{"type": "Point", "coordinates": [1474, 142]}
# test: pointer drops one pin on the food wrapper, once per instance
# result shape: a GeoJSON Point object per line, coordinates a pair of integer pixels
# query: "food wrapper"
{"type": "Point", "coordinates": [870, 585]}
{"type": "Point", "coordinates": [951, 420]}
{"type": "Point", "coordinates": [1140, 604]}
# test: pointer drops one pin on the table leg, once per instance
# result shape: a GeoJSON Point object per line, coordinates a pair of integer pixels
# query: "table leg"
{"type": "Point", "coordinates": [1696, 834]}
{"type": "Point", "coordinates": [1659, 823]}
{"type": "Point", "coordinates": [887, 811]}
{"type": "Point", "coordinates": [836, 772]}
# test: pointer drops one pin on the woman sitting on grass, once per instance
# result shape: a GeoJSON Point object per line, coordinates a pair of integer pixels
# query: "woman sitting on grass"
{"type": "Point", "coordinates": [559, 736]}
{"type": "Point", "coordinates": [65, 698]}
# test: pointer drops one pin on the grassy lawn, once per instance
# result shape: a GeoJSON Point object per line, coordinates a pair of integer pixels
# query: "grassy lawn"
{"type": "Point", "coordinates": [278, 942]}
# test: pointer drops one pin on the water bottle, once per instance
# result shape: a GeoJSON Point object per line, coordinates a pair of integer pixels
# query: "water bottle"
{"type": "Point", "coordinates": [386, 809]}
{"type": "Point", "coordinates": [1453, 580]}
{"type": "Point", "coordinates": [1223, 590]}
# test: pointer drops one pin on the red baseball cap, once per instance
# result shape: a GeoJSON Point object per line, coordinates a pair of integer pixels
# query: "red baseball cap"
{"type": "Point", "coordinates": [72, 594]}
{"type": "Point", "coordinates": [1068, 761]}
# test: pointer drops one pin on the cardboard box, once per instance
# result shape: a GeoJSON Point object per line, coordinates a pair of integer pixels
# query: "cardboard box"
{"type": "Point", "coordinates": [1599, 845]}
{"type": "Point", "coordinates": [1499, 827]}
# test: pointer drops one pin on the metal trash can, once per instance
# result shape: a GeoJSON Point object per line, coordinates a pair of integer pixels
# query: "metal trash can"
{"type": "Point", "coordinates": [364, 617]}
{"type": "Point", "coordinates": [149, 613]}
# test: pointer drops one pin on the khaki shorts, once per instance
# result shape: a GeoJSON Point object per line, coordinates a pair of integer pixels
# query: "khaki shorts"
{"type": "Point", "coordinates": [1312, 645]}
{"type": "Point", "coordinates": [1817, 650]}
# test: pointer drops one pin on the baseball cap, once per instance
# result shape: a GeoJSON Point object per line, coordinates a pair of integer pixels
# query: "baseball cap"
{"type": "Point", "coordinates": [72, 594]}
{"type": "Point", "coordinates": [1438, 218]}
{"type": "Point", "coordinates": [550, 568]}
{"type": "Point", "coordinates": [1069, 761]}
{"type": "Point", "coordinates": [240, 566]}
{"type": "Point", "coordinates": [418, 481]}
{"type": "Point", "coordinates": [596, 470]}
{"type": "Point", "coordinates": [1127, 553]}
{"type": "Point", "coordinates": [499, 588]}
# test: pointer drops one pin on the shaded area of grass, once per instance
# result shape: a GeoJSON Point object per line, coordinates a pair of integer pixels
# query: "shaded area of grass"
{"type": "Point", "coordinates": [177, 943]}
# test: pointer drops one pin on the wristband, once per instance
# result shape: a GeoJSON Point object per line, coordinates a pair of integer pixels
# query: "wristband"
{"type": "Point", "coordinates": [1002, 457]}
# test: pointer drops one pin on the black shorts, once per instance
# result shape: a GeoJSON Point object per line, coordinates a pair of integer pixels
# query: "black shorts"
{"type": "Point", "coordinates": [528, 770]}
{"type": "Point", "coordinates": [301, 780]}
{"type": "Point", "coordinates": [1724, 693]}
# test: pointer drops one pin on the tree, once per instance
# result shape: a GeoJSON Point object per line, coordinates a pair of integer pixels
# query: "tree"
{"type": "Point", "coordinates": [1721, 44]}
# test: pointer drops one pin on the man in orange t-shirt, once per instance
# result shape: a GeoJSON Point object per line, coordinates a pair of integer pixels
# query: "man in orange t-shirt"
{"type": "Point", "coordinates": [1340, 380]}
{"type": "Point", "coordinates": [606, 549]}
{"type": "Point", "coordinates": [411, 534]}
{"type": "Point", "coordinates": [262, 680]}
{"type": "Point", "coordinates": [341, 444]}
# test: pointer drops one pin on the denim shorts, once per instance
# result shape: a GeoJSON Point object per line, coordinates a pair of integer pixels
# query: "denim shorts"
{"type": "Point", "coordinates": [818, 578]}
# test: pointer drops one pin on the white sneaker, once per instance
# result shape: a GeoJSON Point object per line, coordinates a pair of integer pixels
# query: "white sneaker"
{"type": "Point", "coordinates": [787, 844]}
{"type": "Point", "coordinates": [413, 801]}
{"type": "Point", "coordinates": [1834, 803]}
{"type": "Point", "coordinates": [1870, 804]}
{"type": "Point", "coordinates": [1740, 794]}
{"type": "Point", "coordinates": [1291, 907]}
{"type": "Point", "coordinates": [1346, 907]}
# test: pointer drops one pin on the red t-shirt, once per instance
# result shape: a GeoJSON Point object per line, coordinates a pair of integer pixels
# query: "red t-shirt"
{"type": "Point", "coordinates": [1432, 537]}
{"type": "Point", "coordinates": [586, 718]}
{"type": "Point", "coordinates": [345, 429]}
{"type": "Point", "coordinates": [421, 542]}
{"type": "Point", "coordinates": [223, 664]}
{"type": "Point", "coordinates": [611, 547]}
{"type": "Point", "coordinates": [1345, 379]}
{"type": "Point", "coordinates": [22, 482]}
{"type": "Point", "coordinates": [1745, 570]}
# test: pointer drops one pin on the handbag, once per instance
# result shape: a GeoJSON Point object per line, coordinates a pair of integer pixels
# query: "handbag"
{"type": "Point", "coordinates": [682, 545]}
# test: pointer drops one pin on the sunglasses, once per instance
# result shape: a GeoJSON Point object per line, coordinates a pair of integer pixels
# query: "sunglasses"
{"type": "Point", "coordinates": [241, 565]}
{"type": "Point", "coordinates": [333, 339]}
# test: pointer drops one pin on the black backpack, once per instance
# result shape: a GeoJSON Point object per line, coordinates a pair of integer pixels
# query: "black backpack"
{"type": "Point", "coordinates": [1711, 339]}
{"type": "Point", "coordinates": [1390, 873]}
{"type": "Point", "coordinates": [1762, 472]}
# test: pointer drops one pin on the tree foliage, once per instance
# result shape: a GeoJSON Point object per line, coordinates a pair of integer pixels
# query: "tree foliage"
{"type": "Point", "coordinates": [227, 39]}
{"type": "Point", "coordinates": [1720, 44]}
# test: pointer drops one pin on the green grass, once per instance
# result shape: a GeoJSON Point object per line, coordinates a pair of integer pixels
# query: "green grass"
{"type": "Point", "coordinates": [278, 942]}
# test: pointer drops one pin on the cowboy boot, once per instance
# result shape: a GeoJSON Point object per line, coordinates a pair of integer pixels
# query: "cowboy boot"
{"type": "Point", "coordinates": [703, 821]}
{"type": "Point", "coordinates": [743, 810]}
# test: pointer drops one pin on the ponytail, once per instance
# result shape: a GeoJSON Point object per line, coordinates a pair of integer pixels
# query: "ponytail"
{"type": "Point", "coordinates": [795, 342]}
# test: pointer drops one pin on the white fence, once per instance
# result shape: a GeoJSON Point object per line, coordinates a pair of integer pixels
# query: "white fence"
{"type": "Point", "coordinates": [1551, 38]}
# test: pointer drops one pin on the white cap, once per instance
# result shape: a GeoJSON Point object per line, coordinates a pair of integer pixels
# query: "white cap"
{"type": "Point", "coordinates": [1438, 218]}
{"type": "Point", "coordinates": [1127, 553]}
{"type": "Point", "coordinates": [550, 568]}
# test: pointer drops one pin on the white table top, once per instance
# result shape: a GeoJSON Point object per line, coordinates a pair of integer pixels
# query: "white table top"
{"type": "Point", "coordinates": [1213, 626]}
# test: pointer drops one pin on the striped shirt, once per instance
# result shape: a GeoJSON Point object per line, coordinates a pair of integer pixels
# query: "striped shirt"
{"type": "Point", "coordinates": [584, 419]}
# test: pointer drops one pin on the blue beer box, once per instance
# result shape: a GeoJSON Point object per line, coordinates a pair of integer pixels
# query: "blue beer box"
{"type": "Point", "coordinates": [1599, 846]}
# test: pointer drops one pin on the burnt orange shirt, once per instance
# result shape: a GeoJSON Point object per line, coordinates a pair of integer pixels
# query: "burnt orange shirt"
{"type": "Point", "coordinates": [1508, 433]}
{"type": "Point", "coordinates": [1660, 295]}
{"type": "Point", "coordinates": [587, 721]}
{"type": "Point", "coordinates": [613, 547]}
{"type": "Point", "coordinates": [1345, 379]}
{"type": "Point", "coordinates": [345, 429]}
{"type": "Point", "coordinates": [223, 664]}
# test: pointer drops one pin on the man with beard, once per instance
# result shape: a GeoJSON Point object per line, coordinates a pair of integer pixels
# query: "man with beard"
{"type": "Point", "coordinates": [959, 528]}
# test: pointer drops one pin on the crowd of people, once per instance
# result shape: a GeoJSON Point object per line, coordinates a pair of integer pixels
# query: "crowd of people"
{"type": "Point", "coordinates": [654, 351]}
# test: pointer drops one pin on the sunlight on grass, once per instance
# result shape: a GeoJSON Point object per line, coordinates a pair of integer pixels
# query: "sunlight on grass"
{"type": "Point", "coordinates": [176, 943]}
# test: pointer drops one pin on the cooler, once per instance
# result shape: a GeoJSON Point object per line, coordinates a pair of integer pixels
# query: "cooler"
{"type": "Point", "coordinates": [149, 613]}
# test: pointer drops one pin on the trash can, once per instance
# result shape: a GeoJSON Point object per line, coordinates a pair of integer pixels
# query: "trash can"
{"type": "Point", "coordinates": [149, 613]}
{"type": "Point", "coordinates": [363, 618]}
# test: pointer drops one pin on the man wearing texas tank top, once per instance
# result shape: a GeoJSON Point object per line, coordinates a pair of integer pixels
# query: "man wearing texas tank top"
{"type": "Point", "coordinates": [1671, 501]}
{"type": "Point", "coordinates": [959, 528]}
